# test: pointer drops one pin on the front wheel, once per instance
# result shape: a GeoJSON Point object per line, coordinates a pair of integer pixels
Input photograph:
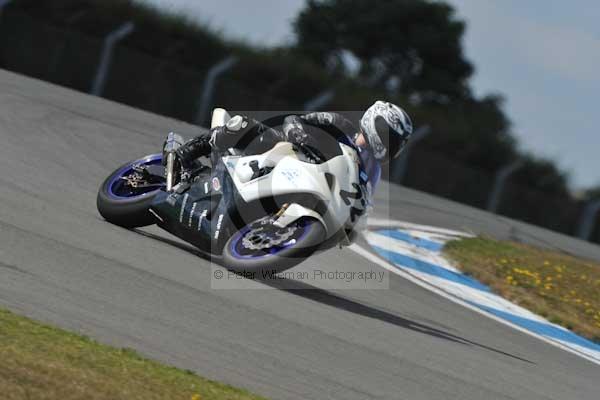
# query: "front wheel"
{"type": "Point", "coordinates": [125, 197]}
{"type": "Point", "coordinates": [261, 246]}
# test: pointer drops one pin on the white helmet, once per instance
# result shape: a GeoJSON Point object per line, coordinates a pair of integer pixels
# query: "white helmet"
{"type": "Point", "coordinates": [386, 128]}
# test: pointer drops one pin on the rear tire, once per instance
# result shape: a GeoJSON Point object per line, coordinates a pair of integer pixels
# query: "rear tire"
{"type": "Point", "coordinates": [128, 212]}
{"type": "Point", "coordinates": [307, 238]}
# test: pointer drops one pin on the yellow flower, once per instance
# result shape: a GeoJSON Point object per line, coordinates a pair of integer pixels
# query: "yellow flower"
{"type": "Point", "coordinates": [548, 278]}
{"type": "Point", "coordinates": [196, 397]}
{"type": "Point", "coordinates": [546, 263]}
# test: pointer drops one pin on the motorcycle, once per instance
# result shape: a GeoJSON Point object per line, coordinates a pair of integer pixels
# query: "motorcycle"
{"type": "Point", "coordinates": [248, 212]}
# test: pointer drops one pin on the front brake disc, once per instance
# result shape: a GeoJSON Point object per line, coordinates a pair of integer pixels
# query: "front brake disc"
{"type": "Point", "coordinates": [264, 238]}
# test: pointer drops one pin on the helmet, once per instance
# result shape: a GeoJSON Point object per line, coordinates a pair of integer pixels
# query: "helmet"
{"type": "Point", "coordinates": [386, 128]}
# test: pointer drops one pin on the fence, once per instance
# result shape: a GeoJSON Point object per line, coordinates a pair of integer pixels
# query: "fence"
{"type": "Point", "coordinates": [69, 58]}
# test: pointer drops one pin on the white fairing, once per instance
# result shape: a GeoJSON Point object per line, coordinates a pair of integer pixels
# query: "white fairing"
{"type": "Point", "coordinates": [292, 175]}
{"type": "Point", "coordinates": [295, 211]}
{"type": "Point", "coordinates": [219, 117]}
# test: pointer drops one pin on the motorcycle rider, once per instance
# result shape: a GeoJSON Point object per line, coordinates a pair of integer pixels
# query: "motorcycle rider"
{"type": "Point", "coordinates": [383, 132]}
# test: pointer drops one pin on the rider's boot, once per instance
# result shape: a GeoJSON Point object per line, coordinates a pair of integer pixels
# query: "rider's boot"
{"type": "Point", "coordinates": [219, 138]}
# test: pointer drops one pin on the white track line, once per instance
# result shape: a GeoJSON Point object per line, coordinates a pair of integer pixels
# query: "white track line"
{"type": "Point", "coordinates": [392, 224]}
{"type": "Point", "coordinates": [414, 279]}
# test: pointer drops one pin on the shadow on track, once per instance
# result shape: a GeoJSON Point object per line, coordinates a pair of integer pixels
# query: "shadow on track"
{"type": "Point", "coordinates": [306, 291]}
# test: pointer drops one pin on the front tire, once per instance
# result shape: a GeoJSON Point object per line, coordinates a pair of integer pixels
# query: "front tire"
{"type": "Point", "coordinates": [123, 208]}
{"type": "Point", "coordinates": [260, 246]}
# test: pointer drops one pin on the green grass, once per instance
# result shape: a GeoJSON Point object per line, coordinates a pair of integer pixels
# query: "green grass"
{"type": "Point", "coordinates": [41, 362]}
{"type": "Point", "coordinates": [563, 289]}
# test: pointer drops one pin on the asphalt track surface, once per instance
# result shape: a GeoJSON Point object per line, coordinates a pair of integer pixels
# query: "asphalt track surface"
{"type": "Point", "coordinates": [62, 264]}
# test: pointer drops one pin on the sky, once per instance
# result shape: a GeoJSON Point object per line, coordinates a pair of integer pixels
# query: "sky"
{"type": "Point", "coordinates": [543, 56]}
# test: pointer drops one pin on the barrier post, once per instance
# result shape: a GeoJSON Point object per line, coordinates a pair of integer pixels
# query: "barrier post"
{"type": "Point", "coordinates": [401, 164]}
{"type": "Point", "coordinates": [501, 177]}
{"type": "Point", "coordinates": [107, 53]}
{"type": "Point", "coordinates": [319, 100]}
{"type": "Point", "coordinates": [209, 86]}
{"type": "Point", "coordinates": [588, 220]}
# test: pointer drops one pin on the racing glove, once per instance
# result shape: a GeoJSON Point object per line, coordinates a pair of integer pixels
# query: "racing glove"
{"type": "Point", "coordinates": [294, 131]}
{"type": "Point", "coordinates": [319, 118]}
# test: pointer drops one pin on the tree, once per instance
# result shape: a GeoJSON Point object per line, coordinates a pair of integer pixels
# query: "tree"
{"type": "Point", "coordinates": [410, 46]}
{"type": "Point", "coordinates": [475, 132]}
{"type": "Point", "coordinates": [592, 193]}
{"type": "Point", "coordinates": [542, 175]}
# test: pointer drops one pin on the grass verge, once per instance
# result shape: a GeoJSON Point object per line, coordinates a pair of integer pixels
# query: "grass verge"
{"type": "Point", "coordinates": [41, 362]}
{"type": "Point", "coordinates": [563, 289]}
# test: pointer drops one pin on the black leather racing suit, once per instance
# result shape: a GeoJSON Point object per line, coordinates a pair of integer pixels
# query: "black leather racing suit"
{"type": "Point", "coordinates": [320, 130]}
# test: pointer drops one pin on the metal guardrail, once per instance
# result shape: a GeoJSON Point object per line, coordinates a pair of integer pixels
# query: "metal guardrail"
{"type": "Point", "coordinates": [321, 100]}
{"type": "Point", "coordinates": [588, 220]}
{"type": "Point", "coordinates": [209, 86]}
{"type": "Point", "coordinates": [107, 53]}
{"type": "Point", "coordinates": [501, 177]}
{"type": "Point", "coordinates": [401, 165]}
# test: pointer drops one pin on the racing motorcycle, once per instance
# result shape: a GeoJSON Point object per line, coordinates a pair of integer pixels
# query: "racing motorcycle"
{"type": "Point", "coordinates": [248, 212]}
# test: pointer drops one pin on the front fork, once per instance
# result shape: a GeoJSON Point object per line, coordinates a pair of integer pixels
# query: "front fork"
{"type": "Point", "coordinates": [172, 143]}
{"type": "Point", "coordinates": [169, 170]}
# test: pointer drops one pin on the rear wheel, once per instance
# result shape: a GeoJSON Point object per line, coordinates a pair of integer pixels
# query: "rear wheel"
{"type": "Point", "coordinates": [262, 246]}
{"type": "Point", "coordinates": [125, 197]}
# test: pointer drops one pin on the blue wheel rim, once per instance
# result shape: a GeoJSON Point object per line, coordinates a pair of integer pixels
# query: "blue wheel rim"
{"type": "Point", "coordinates": [236, 243]}
{"type": "Point", "coordinates": [116, 187]}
